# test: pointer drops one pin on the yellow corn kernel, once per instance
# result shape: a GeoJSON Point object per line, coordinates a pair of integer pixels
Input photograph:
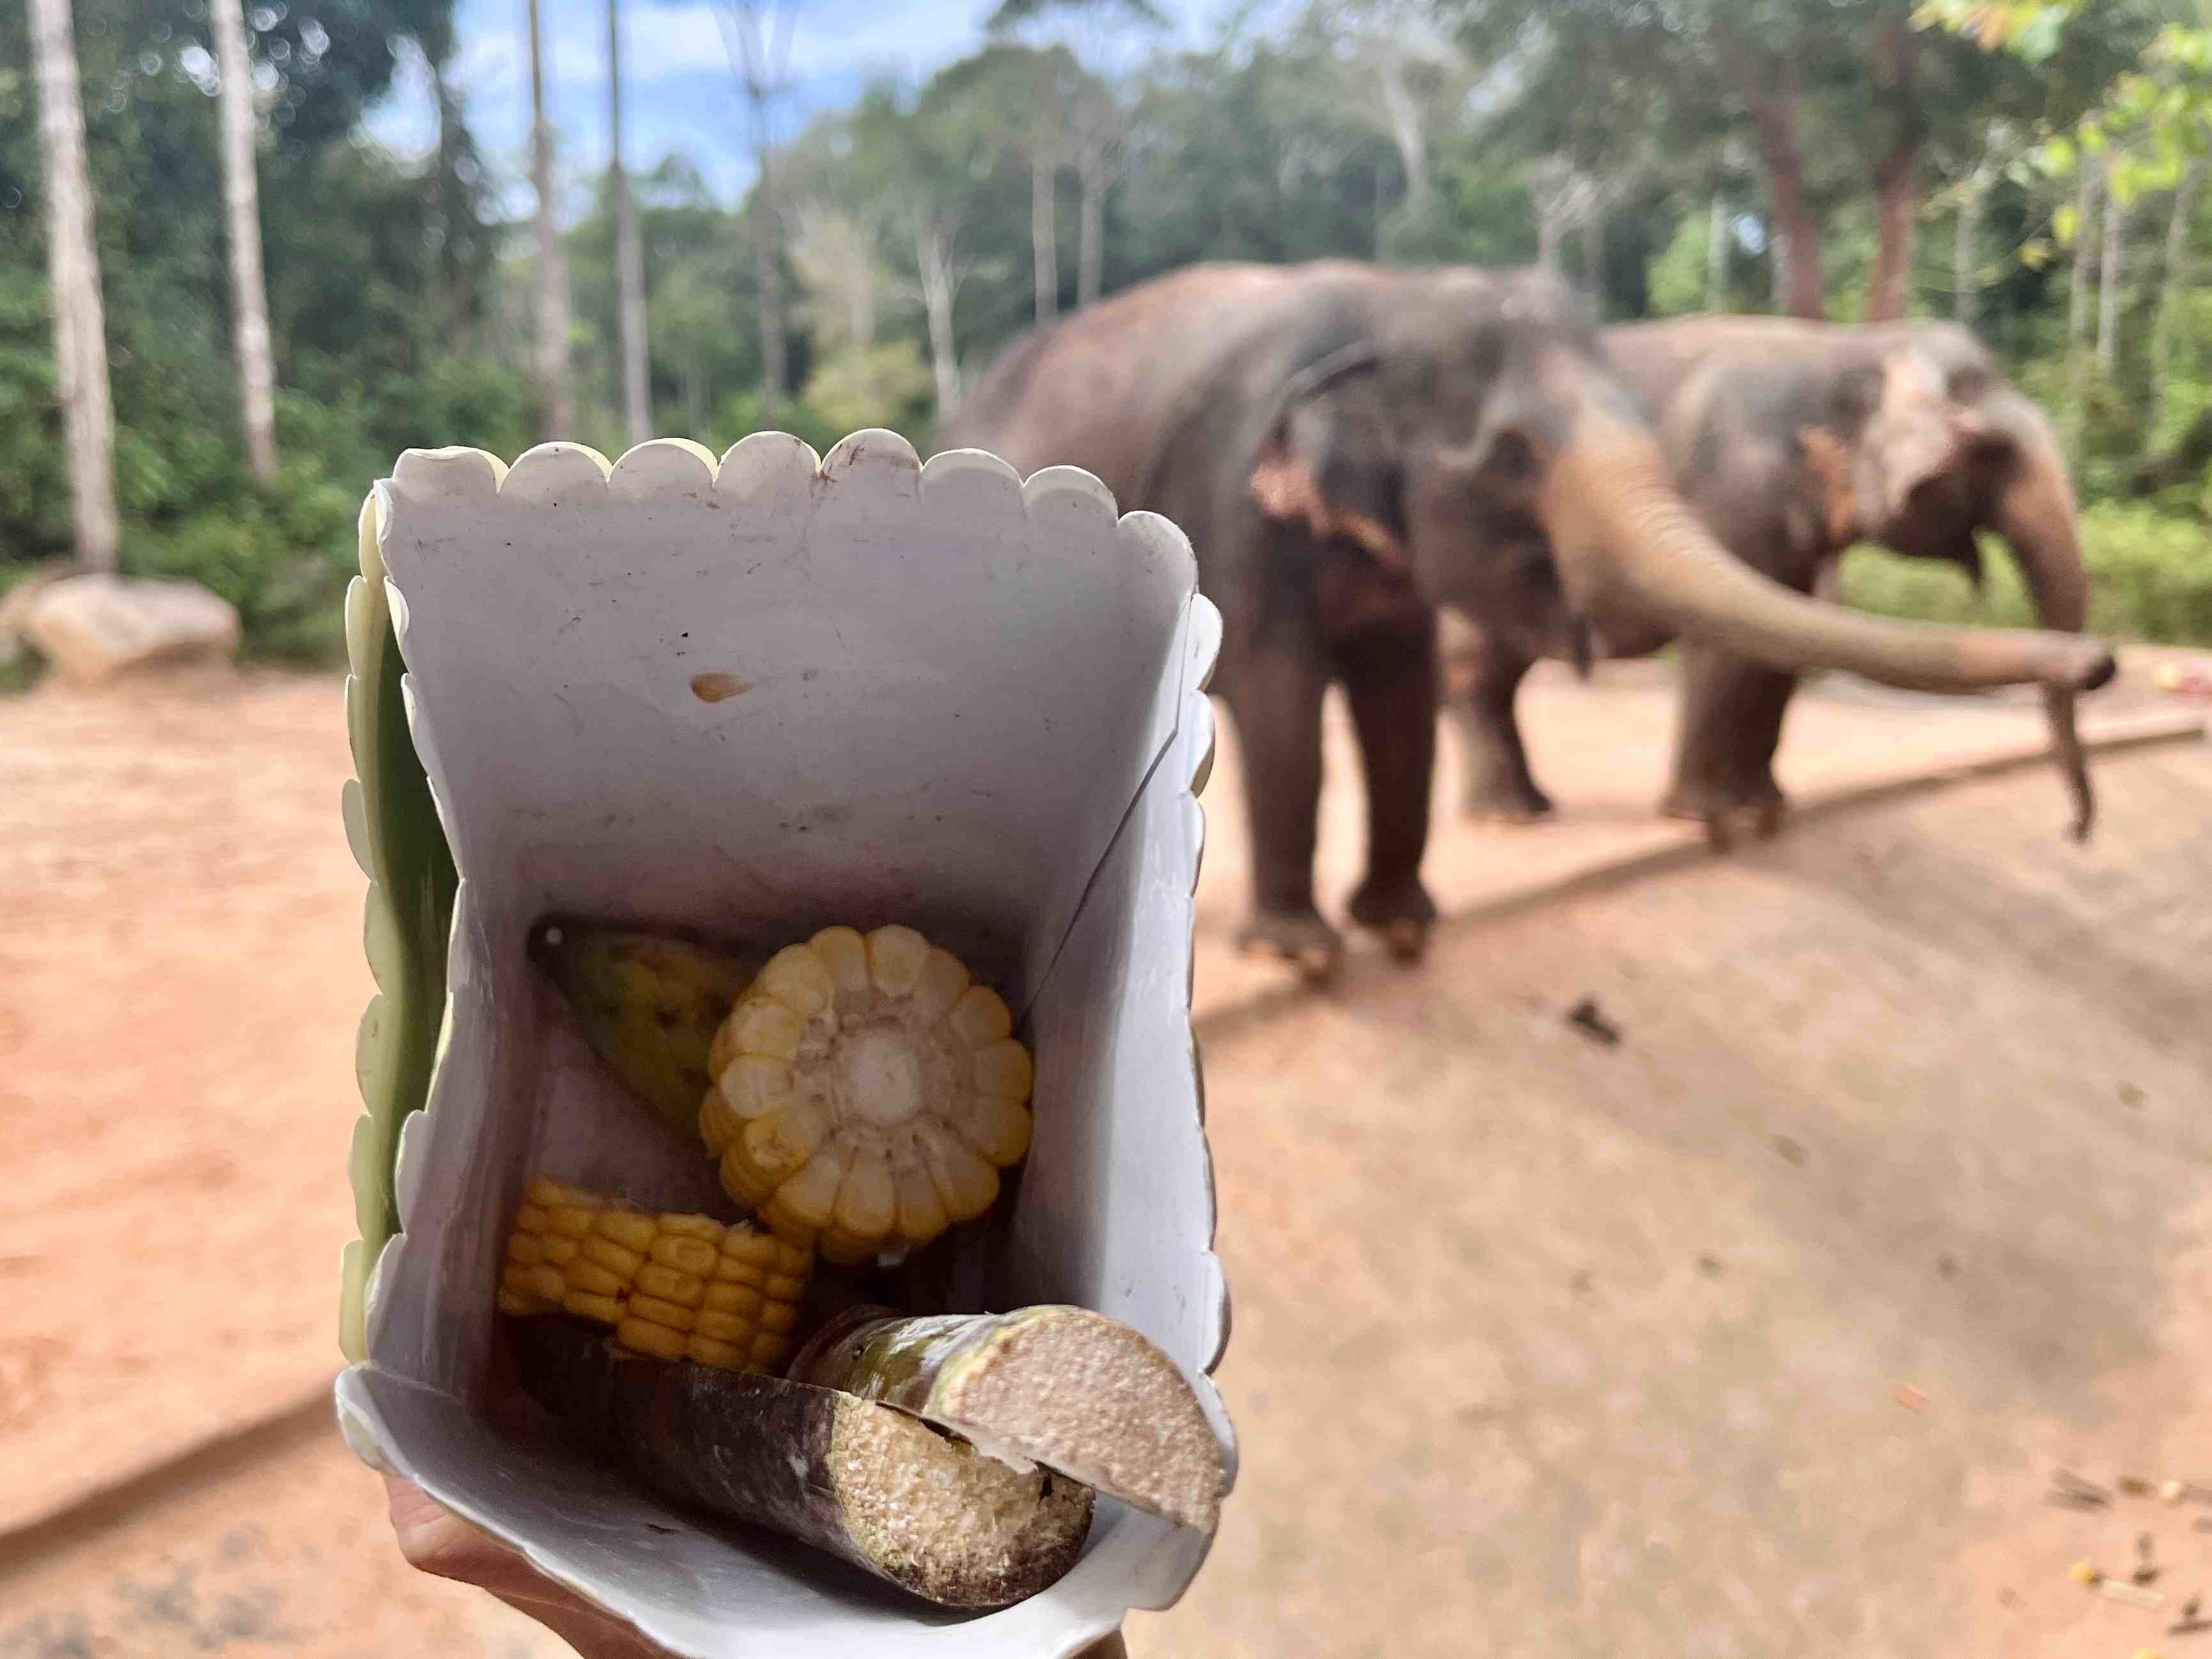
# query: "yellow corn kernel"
{"type": "Point", "coordinates": [659, 1341]}
{"type": "Point", "coordinates": [570, 1220]}
{"type": "Point", "coordinates": [767, 1351]}
{"type": "Point", "coordinates": [685, 1289]}
{"type": "Point", "coordinates": [723, 1356]}
{"type": "Point", "coordinates": [558, 1250]}
{"type": "Point", "coordinates": [756, 1249]}
{"type": "Point", "coordinates": [676, 1317]}
{"type": "Point", "coordinates": [587, 1275]}
{"type": "Point", "coordinates": [525, 1250]}
{"type": "Point", "coordinates": [530, 1218]}
{"type": "Point", "coordinates": [692, 1255]}
{"type": "Point", "coordinates": [693, 1226]}
{"type": "Point", "coordinates": [778, 1317]}
{"type": "Point", "coordinates": [616, 1258]}
{"type": "Point", "coordinates": [605, 1309]}
{"type": "Point", "coordinates": [784, 1287]}
{"type": "Point", "coordinates": [741, 1299]}
{"type": "Point", "coordinates": [722, 1327]}
{"type": "Point", "coordinates": [510, 1302]}
{"type": "Point", "coordinates": [628, 1228]}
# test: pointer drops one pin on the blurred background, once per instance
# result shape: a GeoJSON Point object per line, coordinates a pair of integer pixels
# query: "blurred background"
{"type": "Point", "coordinates": [1712, 1255]}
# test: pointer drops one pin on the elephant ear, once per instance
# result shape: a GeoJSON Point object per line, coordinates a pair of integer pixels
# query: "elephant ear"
{"type": "Point", "coordinates": [1326, 463]}
{"type": "Point", "coordinates": [1915, 431]}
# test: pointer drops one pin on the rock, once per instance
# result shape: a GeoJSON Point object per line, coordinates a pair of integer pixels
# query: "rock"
{"type": "Point", "coordinates": [15, 606]}
{"type": "Point", "coordinates": [92, 627]}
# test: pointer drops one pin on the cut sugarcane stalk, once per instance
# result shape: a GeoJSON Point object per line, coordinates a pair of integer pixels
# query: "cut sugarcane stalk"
{"type": "Point", "coordinates": [1063, 1386]}
{"type": "Point", "coordinates": [873, 1485]}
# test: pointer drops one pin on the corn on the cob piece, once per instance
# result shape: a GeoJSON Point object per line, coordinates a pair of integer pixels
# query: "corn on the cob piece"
{"type": "Point", "coordinates": [674, 1286]}
{"type": "Point", "coordinates": [866, 1093]}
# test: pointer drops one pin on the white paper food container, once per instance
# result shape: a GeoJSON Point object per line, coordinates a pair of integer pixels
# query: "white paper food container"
{"type": "Point", "coordinates": [944, 698]}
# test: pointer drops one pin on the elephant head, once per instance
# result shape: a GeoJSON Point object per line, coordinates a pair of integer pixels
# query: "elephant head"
{"type": "Point", "coordinates": [1934, 447]}
{"type": "Point", "coordinates": [1470, 436]}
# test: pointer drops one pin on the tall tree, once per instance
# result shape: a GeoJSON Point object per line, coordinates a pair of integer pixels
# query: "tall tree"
{"type": "Point", "coordinates": [756, 34]}
{"type": "Point", "coordinates": [1100, 34]}
{"type": "Point", "coordinates": [241, 205]}
{"type": "Point", "coordinates": [73, 277]}
{"type": "Point", "coordinates": [630, 257]}
{"type": "Point", "coordinates": [555, 397]}
{"type": "Point", "coordinates": [2172, 282]}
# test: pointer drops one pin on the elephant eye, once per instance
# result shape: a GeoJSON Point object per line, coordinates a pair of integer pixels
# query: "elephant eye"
{"type": "Point", "coordinates": [1967, 383]}
{"type": "Point", "coordinates": [1508, 456]}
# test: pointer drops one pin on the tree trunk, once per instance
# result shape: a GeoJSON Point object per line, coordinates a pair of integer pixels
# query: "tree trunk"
{"type": "Point", "coordinates": [1964, 232]}
{"type": "Point", "coordinates": [2079, 300]}
{"type": "Point", "coordinates": [1044, 237]}
{"type": "Point", "coordinates": [934, 266]}
{"type": "Point", "coordinates": [2108, 279]}
{"type": "Point", "coordinates": [1804, 283]}
{"type": "Point", "coordinates": [1896, 171]}
{"type": "Point", "coordinates": [1090, 258]}
{"type": "Point", "coordinates": [73, 274]}
{"type": "Point", "coordinates": [557, 408]}
{"type": "Point", "coordinates": [456, 303]}
{"type": "Point", "coordinates": [629, 258]}
{"type": "Point", "coordinates": [1717, 246]}
{"type": "Point", "coordinates": [768, 284]}
{"type": "Point", "coordinates": [1896, 204]}
{"type": "Point", "coordinates": [241, 210]}
{"type": "Point", "coordinates": [2171, 280]}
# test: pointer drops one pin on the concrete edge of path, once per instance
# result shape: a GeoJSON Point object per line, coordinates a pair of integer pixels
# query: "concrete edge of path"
{"type": "Point", "coordinates": [1670, 844]}
{"type": "Point", "coordinates": [87, 1514]}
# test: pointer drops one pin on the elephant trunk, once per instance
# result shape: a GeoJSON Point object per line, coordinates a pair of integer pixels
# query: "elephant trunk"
{"type": "Point", "coordinates": [1623, 536]}
{"type": "Point", "coordinates": [2034, 512]}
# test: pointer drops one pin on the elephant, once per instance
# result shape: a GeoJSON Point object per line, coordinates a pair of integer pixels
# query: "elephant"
{"type": "Point", "coordinates": [1350, 447]}
{"type": "Point", "coordinates": [1792, 441]}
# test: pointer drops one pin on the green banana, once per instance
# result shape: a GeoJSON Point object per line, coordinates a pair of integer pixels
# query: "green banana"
{"type": "Point", "coordinates": [648, 1004]}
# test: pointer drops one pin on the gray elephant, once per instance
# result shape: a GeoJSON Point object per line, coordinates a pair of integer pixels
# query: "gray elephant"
{"type": "Point", "coordinates": [1348, 448]}
{"type": "Point", "coordinates": [1793, 441]}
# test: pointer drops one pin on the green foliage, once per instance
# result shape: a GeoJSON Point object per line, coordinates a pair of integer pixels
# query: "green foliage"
{"type": "Point", "coordinates": [2150, 579]}
{"type": "Point", "coordinates": [886, 385]}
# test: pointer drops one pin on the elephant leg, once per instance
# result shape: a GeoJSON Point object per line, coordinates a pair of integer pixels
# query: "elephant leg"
{"type": "Point", "coordinates": [1276, 701]}
{"type": "Point", "coordinates": [1732, 713]}
{"type": "Point", "coordinates": [1392, 684]}
{"type": "Point", "coordinates": [1484, 679]}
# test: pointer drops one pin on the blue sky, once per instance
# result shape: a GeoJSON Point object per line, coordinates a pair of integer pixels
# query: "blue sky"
{"type": "Point", "coordinates": [680, 96]}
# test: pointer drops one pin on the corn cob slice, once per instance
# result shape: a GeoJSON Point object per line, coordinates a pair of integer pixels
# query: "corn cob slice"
{"type": "Point", "coordinates": [674, 1286]}
{"type": "Point", "coordinates": [866, 1093]}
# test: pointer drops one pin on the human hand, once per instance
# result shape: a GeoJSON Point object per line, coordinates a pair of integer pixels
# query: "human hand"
{"type": "Point", "coordinates": [436, 1540]}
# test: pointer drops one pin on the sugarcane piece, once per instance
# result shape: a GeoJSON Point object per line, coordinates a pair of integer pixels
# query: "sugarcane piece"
{"type": "Point", "coordinates": [882, 1490]}
{"type": "Point", "coordinates": [674, 1286]}
{"type": "Point", "coordinates": [1062, 1387]}
{"type": "Point", "coordinates": [866, 1094]}
{"type": "Point", "coordinates": [648, 1005]}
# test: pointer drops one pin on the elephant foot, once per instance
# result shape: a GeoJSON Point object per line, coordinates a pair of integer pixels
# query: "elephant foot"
{"type": "Point", "coordinates": [1762, 809]}
{"type": "Point", "coordinates": [1512, 803]}
{"type": "Point", "coordinates": [1402, 912]}
{"type": "Point", "coordinates": [1298, 936]}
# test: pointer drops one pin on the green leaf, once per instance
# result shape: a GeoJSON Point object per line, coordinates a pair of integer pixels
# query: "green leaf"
{"type": "Point", "coordinates": [2039, 38]}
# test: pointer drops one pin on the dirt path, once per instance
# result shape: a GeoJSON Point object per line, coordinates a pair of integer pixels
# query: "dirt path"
{"type": "Point", "coordinates": [1762, 1332]}
{"type": "Point", "coordinates": [180, 974]}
